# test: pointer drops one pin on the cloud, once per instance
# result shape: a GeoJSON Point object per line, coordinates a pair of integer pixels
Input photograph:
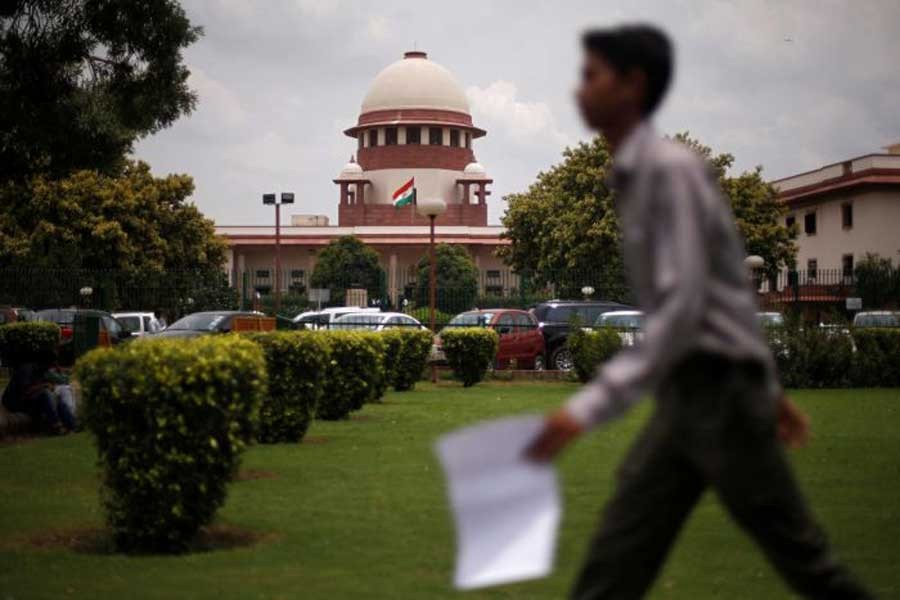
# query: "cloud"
{"type": "Point", "coordinates": [497, 105]}
{"type": "Point", "coordinates": [378, 27]}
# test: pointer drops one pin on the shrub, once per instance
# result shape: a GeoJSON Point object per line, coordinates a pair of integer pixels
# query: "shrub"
{"type": "Point", "coordinates": [808, 356]}
{"type": "Point", "coordinates": [377, 373]}
{"type": "Point", "coordinates": [30, 341]}
{"type": "Point", "coordinates": [423, 315]}
{"type": "Point", "coordinates": [590, 349]}
{"type": "Point", "coordinates": [170, 418]}
{"type": "Point", "coordinates": [470, 352]}
{"type": "Point", "coordinates": [296, 362]}
{"type": "Point", "coordinates": [355, 373]}
{"type": "Point", "coordinates": [405, 356]}
{"type": "Point", "coordinates": [877, 358]}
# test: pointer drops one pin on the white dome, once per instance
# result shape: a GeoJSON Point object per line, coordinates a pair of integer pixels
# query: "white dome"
{"type": "Point", "coordinates": [351, 170]}
{"type": "Point", "coordinates": [474, 169]}
{"type": "Point", "coordinates": [415, 82]}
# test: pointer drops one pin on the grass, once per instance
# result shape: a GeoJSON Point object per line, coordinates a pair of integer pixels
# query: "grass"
{"type": "Point", "coordinates": [359, 511]}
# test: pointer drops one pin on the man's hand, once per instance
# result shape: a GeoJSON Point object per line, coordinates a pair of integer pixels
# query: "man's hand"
{"type": "Point", "coordinates": [793, 425]}
{"type": "Point", "coordinates": [559, 430]}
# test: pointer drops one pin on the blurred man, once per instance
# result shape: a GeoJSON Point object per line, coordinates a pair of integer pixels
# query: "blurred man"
{"type": "Point", "coordinates": [720, 411]}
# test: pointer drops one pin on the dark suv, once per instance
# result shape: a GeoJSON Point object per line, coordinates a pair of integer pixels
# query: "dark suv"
{"type": "Point", "coordinates": [555, 320]}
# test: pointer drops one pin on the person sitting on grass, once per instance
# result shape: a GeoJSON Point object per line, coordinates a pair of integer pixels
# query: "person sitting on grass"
{"type": "Point", "coordinates": [30, 391]}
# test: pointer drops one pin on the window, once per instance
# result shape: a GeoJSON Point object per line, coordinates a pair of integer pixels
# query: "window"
{"type": "Point", "coordinates": [454, 138]}
{"type": "Point", "coordinates": [493, 290]}
{"type": "Point", "coordinates": [847, 265]}
{"type": "Point", "coordinates": [812, 269]}
{"type": "Point", "coordinates": [435, 136]}
{"type": "Point", "coordinates": [847, 215]}
{"type": "Point", "coordinates": [360, 139]}
{"type": "Point", "coordinates": [468, 140]}
{"type": "Point", "coordinates": [493, 274]}
{"type": "Point", "coordinates": [809, 223]}
{"type": "Point", "coordinates": [390, 136]}
{"type": "Point", "coordinates": [413, 135]}
{"type": "Point", "coordinates": [297, 274]}
{"type": "Point", "coordinates": [505, 324]}
{"type": "Point", "coordinates": [262, 274]}
{"type": "Point", "coordinates": [373, 138]}
{"type": "Point", "coordinates": [790, 221]}
{"type": "Point", "coordinates": [525, 323]}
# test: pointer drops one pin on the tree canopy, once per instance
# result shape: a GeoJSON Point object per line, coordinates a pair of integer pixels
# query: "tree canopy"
{"type": "Point", "coordinates": [565, 232]}
{"type": "Point", "coordinates": [456, 279]}
{"type": "Point", "coordinates": [348, 263]}
{"type": "Point", "coordinates": [81, 80]}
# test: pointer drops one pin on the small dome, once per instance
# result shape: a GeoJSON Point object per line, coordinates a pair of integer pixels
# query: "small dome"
{"type": "Point", "coordinates": [475, 170]}
{"type": "Point", "coordinates": [415, 82]}
{"type": "Point", "coordinates": [351, 170]}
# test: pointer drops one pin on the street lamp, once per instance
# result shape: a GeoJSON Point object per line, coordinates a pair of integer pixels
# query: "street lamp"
{"type": "Point", "coordinates": [431, 208]}
{"type": "Point", "coordinates": [754, 264]}
{"type": "Point", "coordinates": [86, 293]}
{"type": "Point", "coordinates": [587, 291]}
{"type": "Point", "coordinates": [272, 199]}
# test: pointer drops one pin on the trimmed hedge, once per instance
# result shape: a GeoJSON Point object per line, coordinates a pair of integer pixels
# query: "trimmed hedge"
{"type": "Point", "coordinates": [296, 363]}
{"type": "Point", "coordinates": [355, 373]}
{"type": "Point", "coordinates": [877, 357]}
{"type": "Point", "coordinates": [470, 352]}
{"type": "Point", "coordinates": [406, 355]}
{"type": "Point", "coordinates": [29, 341]}
{"type": "Point", "coordinates": [590, 349]}
{"type": "Point", "coordinates": [170, 418]}
{"type": "Point", "coordinates": [808, 356]}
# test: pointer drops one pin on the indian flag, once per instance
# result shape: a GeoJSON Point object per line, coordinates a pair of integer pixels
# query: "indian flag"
{"type": "Point", "coordinates": [405, 194]}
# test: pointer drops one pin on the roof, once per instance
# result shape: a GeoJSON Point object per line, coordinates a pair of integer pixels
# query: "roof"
{"type": "Point", "coordinates": [866, 170]}
{"type": "Point", "coordinates": [415, 82]}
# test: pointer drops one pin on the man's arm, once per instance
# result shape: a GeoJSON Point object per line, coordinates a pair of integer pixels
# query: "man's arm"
{"type": "Point", "coordinates": [678, 216]}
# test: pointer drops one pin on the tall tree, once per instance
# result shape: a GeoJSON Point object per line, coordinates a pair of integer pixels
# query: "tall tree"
{"type": "Point", "coordinates": [81, 80]}
{"type": "Point", "coordinates": [348, 263]}
{"type": "Point", "coordinates": [565, 233]}
{"type": "Point", "coordinates": [456, 279]}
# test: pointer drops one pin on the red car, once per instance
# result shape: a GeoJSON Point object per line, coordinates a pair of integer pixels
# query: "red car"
{"type": "Point", "coordinates": [521, 341]}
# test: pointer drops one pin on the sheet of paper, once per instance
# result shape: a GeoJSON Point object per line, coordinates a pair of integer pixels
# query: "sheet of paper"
{"type": "Point", "coordinates": [506, 508]}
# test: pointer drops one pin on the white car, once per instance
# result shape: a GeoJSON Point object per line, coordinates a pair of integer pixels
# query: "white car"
{"type": "Point", "coordinates": [322, 319]}
{"type": "Point", "coordinates": [770, 319]}
{"type": "Point", "coordinates": [139, 323]}
{"type": "Point", "coordinates": [877, 318]}
{"type": "Point", "coordinates": [629, 323]}
{"type": "Point", "coordinates": [376, 322]}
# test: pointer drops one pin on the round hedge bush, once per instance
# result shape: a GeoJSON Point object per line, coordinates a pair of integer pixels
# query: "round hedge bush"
{"type": "Point", "coordinates": [355, 373]}
{"type": "Point", "coordinates": [470, 351]}
{"type": "Point", "coordinates": [296, 364]}
{"type": "Point", "coordinates": [406, 355]}
{"type": "Point", "coordinates": [590, 349]}
{"type": "Point", "coordinates": [29, 341]}
{"type": "Point", "coordinates": [170, 419]}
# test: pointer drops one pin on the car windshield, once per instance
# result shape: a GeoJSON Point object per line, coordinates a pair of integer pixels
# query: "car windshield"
{"type": "Point", "coordinates": [358, 321]}
{"type": "Point", "coordinates": [471, 319]}
{"type": "Point", "coordinates": [60, 317]}
{"type": "Point", "coordinates": [887, 320]}
{"type": "Point", "coordinates": [131, 323]}
{"type": "Point", "coordinates": [563, 315]}
{"type": "Point", "coordinates": [198, 322]}
{"type": "Point", "coordinates": [621, 321]}
{"type": "Point", "coordinates": [770, 319]}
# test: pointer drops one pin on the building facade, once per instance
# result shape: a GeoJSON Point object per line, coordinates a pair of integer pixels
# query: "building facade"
{"type": "Point", "coordinates": [414, 124]}
{"type": "Point", "coordinates": [844, 211]}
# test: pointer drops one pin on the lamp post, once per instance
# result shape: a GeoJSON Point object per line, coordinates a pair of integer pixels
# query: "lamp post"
{"type": "Point", "coordinates": [286, 198]}
{"type": "Point", "coordinates": [85, 294]}
{"type": "Point", "coordinates": [431, 208]}
{"type": "Point", "coordinates": [754, 264]}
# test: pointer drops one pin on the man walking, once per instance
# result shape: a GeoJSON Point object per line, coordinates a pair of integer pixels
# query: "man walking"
{"type": "Point", "coordinates": [721, 416]}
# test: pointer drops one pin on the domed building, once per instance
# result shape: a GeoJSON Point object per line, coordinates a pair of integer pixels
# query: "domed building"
{"type": "Point", "coordinates": [415, 139]}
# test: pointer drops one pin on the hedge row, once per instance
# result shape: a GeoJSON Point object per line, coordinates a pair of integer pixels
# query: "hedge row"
{"type": "Point", "coordinates": [470, 352]}
{"type": "Point", "coordinates": [591, 348]}
{"type": "Point", "coordinates": [29, 341]}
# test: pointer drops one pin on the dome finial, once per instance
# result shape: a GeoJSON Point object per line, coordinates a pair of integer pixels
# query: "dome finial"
{"type": "Point", "coordinates": [415, 54]}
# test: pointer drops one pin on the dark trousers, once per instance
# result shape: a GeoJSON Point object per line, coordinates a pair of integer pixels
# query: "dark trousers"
{"type": "Point", "coordinates": [714, 426]}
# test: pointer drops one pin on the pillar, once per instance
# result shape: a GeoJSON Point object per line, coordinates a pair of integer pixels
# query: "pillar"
{"type": "Point", "coordinates": [393, 292]}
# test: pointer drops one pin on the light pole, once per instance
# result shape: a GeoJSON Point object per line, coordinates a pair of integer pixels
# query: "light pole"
{"type": "Point", "coordinates": [431, 208]}
{"type": "Point", "coordinates": [754, 264]}
{"type": "Point", "coordinates": [286, 198]}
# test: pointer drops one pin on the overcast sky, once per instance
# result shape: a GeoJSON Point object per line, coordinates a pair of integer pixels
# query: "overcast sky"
{"type": "Point", "coordinates": [789, 85]}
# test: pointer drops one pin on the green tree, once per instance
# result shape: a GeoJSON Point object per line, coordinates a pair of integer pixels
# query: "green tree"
{"type": "Point", "coordinates": [565, 233]}
{"type": "Point", "coordinates": [81, 80]}
{"type": "Point", "coordinates": [877, 282]}
{"type": "Point", "coordinates": [348, 263]}
{"type": "Point", "coordinates": [456, 279]}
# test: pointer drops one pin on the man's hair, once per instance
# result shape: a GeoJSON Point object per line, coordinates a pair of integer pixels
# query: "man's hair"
{"type": "Point", "coordinates": [641, 47]}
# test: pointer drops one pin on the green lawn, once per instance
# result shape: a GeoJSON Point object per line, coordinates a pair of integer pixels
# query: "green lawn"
{"type": "Point", "coordinates": [359, 511]}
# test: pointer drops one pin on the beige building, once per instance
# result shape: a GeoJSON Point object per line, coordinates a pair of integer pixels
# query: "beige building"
{"type": "Point", "coordinates": [414, 124]}
{"type": "Point", "coordinates": [845, 210]}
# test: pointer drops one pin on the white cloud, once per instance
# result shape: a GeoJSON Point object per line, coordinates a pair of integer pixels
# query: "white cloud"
{"type": "Point", "coordinates": [498, 105]}
{"type": "Point", "coordinates": [217, 106]}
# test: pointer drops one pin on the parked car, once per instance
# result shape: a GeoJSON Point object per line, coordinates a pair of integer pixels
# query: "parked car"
{"type": "Point", "coordinates": [66, 317]}
{"type": "Point", "coordinates": [139, 323]}
{"type": "Point", "coordinates": [12, 314]}
{"type": "Point", "coordinates": [628, 323]}
{"type": "Point", "coordinates": [376, 321]}
{"type": "Point", "coordinates": [521, 341]}
{"type": "Point", "coordinates": [322, 319]}
{"type": "Point", "coordinates": [877, 318]}
{"type": "Point", "coordinates": [770, 319]}
{"type": "Point", "coordinates": [204, 323]}
{"type": "Point", "coordinates": [555, 321]}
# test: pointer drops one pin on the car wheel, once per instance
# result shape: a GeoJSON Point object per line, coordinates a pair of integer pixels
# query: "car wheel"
{"type": "Point", "coordinates": [539, 363]}
{"type": "Point", "coordinates": [562, 359]}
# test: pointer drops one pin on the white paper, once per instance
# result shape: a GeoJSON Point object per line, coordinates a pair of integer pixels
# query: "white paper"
{"type": "Point", "coordinates": [506, 508]}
